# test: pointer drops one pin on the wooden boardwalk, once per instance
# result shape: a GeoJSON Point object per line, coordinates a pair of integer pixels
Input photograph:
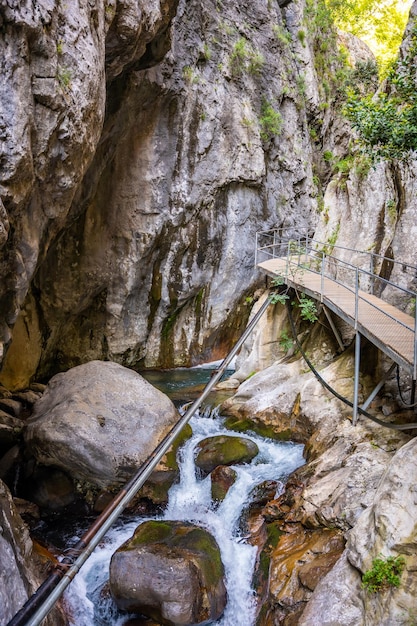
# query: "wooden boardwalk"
{"type": "Point", "coordinates": [391, 330]}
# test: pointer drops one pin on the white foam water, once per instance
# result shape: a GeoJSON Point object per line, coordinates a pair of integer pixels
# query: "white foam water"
{"type": "Point", "coordinates": [190, 500]}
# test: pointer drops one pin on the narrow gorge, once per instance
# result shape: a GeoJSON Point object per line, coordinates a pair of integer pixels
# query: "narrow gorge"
{"type": "Point", "coordinates": [143, 147]}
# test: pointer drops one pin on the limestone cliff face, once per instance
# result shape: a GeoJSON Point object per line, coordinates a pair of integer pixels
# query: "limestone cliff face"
{"type": "Point", "coordinates": [143, 145]}
{"type": "Point", "coordinates": [376, 211]}
{"type": "Point", "coordinates": [55, 61]}
{"type": "Point", "coordinates": [130, 206]}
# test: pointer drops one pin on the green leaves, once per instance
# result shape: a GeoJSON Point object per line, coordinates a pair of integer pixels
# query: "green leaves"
{"type": "Point", "coordinates": [385, 572]}
{"type": "Point", "coordinates": [387, 123]}
{"type": "Point", "coordinates": [270, 121]}
{"type": "Point", "coordinates": [308, 309]}
{"type": "Point", "coordinates": [276, 297]}
{"type": "Point", "coordinates": [307, 306]}
{"type": "Point", "coordinates": [380, 23]}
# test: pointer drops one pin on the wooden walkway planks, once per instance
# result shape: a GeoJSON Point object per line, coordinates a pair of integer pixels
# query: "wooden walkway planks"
{"type": "Point", "coordinates": [391, 330]}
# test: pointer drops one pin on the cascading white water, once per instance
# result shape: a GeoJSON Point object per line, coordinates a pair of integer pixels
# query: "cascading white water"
{"type": "Point", "coordinates": [190, 500]}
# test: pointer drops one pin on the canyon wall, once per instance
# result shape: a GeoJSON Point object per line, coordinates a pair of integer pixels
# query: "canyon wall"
{"type": "Point", "coordinates": [142, 153]}
{"type": "Point", "coordinates": [143, 145]}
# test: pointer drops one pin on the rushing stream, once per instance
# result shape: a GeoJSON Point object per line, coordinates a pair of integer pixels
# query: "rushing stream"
{"type": "Point", "coordinates": [190, 500]}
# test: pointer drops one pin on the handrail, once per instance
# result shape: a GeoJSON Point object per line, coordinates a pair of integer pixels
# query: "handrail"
{"type": "Point", "coordinates": [42, 601]}
{"type": "Point", "coordinates": [304, 252]}
{"type": "Point", "coordinates": [286, 236]}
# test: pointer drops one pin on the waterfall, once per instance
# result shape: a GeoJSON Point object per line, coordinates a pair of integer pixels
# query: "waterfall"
{"type": "Point", "coordinates": [87, 598]}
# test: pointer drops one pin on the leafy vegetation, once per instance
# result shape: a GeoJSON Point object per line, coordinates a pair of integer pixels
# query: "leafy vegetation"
{"type": "Point", "coordinates": [308, 309]}
{"type": "Point", "coordinates": [64, 77]}
{"type": "Point", "coordinates": [276, 297]}
{"type": "Point", "coordinates": [307, 306]}
{"type": "Point", "coordinates": [387, 123]}
{"type": "Point", "coordinates": [189, 74]}
{"type": "Point", "coordinates": [329, 60]}
{"type": "Point", "coordinates": [385, 572]}
{"type": "Point", "coordinates": [282, 34]}
{"type": "Point", "coordinates": [285, 341]}
{"type": "Point", "coordinates": [245, 57]}
{"type": "Point", "coordinates": [270, 121]}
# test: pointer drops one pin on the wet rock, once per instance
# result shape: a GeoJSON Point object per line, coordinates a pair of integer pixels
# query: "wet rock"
{"type": "Point", "coordinates": [38, 388]}
{"type": "Point", "coordinates": [387, 528]}
{"type": "Point", "coordinates": [222, 478]}
{"type": "Point", "coordinates": [5, 393]}
{"type": "Point", "coordinates": [10, 431]}
{"type": "Point", "coordinates": [224, 450]}
{"type": "Point", "coordinates": [170, 571]}
{"type": "Point", "coordinates": [252, 521]}
{"type": "Point", "coordinates": [8, 463]}
{"type": "Point", "coordinates": [28, 397]}
{"type": "Point", "coordinates": [269, 403]}
{"type": "Point", "coordinates": [51, 489]}
{"type": "Point", "coordinates": [26, 509]}
{"type": "Point", "coordinates": [302, 555]}
{"type": "Point", "coordinates": [102, 500]}
{"type": "Point", "coordinates": [158, 485]}
{"type": "Point", "coordinates": [141, 621]}
{"type": "Point", "coordinates": [23, 572]}
{"type": "Point", "coordinates": [337, 599]}
{"type": "Point", "coordinates": [311, 573]}
{"type": "Point", "coordinates": [11, 406]}
{"type": "Point", "coordinates": [230, 383]}
{"type": "Point", "coordinates": [98, 422]}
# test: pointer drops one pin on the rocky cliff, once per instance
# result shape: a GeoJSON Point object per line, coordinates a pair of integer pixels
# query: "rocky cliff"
{"type": "Point", "coordinates": [143, 146]}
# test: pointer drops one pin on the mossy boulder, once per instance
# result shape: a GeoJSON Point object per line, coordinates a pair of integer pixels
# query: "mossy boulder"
{"type": "Point", "coordinates": [171, 572]}
{"type": "Point", "coordinates": [224, 450]}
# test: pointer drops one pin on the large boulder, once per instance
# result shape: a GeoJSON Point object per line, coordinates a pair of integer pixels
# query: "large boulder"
{"type": "Point", "coordinates": [98, 422]}
{"type": "Point", "coordinates": [170, 571]}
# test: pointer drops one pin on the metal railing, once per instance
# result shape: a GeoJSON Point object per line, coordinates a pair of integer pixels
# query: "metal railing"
{"type": "Point", "coordinates": [362, 274]}
{"type": "Point", "coordinates": [43, 600]}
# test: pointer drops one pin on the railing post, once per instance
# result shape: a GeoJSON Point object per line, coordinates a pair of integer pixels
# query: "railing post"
{"type": "Point", "coordinates": [371, 269]}
{"type": "Point", "coordinates": [288, 258]}
{"type": "Point", "coordinates": [356, 377]}
{"type": "Point", "coordinates": [323, 262]}
{"type": "Point", "coordinates": [415, 346]}
{"type": "Point", "coordinates": [356, 297]}
{"type": "Point", "coordinates": [256, 248]}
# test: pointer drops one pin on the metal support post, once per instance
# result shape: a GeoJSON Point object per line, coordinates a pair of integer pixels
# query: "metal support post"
{"type": "Point", "coordinates": [378, 387]}
{"type": "Point", "coordinates": [356, 377]}
{"type": "Point", "coordinates": [333, 327]}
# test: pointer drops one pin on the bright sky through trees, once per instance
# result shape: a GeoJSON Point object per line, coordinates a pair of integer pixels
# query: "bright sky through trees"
{"type": "Point", "coordinates": [380, 23]}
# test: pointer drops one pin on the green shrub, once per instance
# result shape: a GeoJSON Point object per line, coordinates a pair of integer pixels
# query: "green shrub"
{"type": "Point", "coordinates": [245, 58]}
{"type": "Point", "coordinates": [385, 572]}
{"type": "Point", "coordinates": [271, 121]}
{"type": "Point", "coordinates": [308, 309]}
{"type": "Point", "coordinates": [64, 77]}
{"type": "Point", "coordinates": [285, 341]}
{"type": "Point", "coordinates": [387, 123]}
{"type": "Point", "coordinates": [282, 34]}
